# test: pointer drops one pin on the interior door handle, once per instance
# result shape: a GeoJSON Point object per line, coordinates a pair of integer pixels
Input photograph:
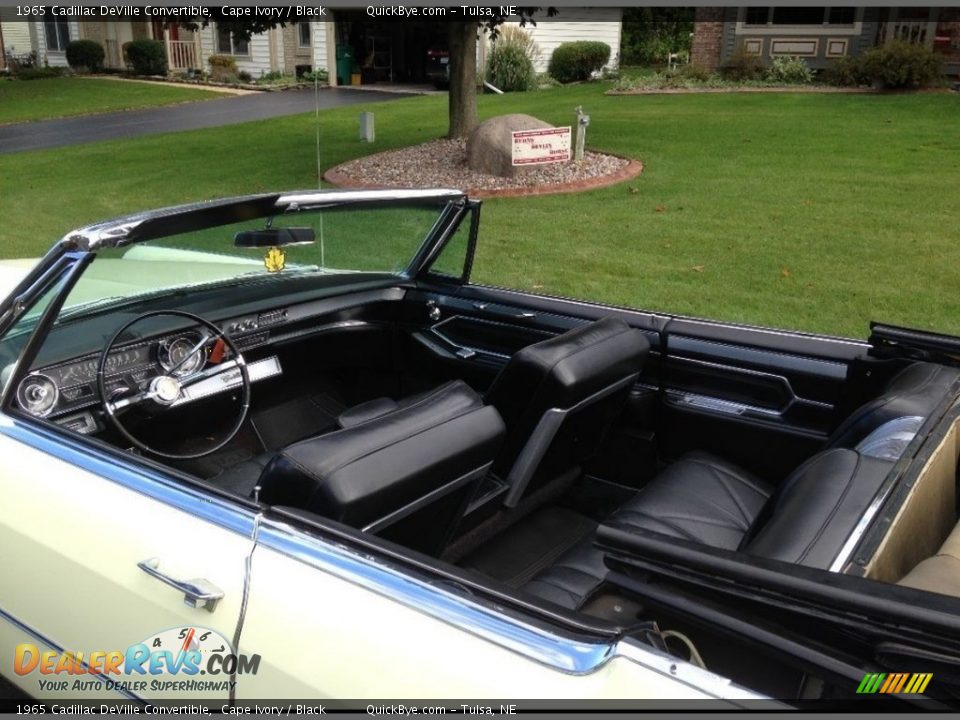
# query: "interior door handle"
{"type": "Point", "coordinates": [198, 593]}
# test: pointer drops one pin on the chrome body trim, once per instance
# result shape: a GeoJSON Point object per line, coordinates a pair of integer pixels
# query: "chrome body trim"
{"type": "Point", "coordinates": [687, 673]}
{"type": "Point", "coordinates": [435, 600]}
{"type": "Point", "coordinates": [552, 649]}
{"type": "Point", "coordinates": [48, 642]}
{"type": "Point", "coordinates": [228, 380]}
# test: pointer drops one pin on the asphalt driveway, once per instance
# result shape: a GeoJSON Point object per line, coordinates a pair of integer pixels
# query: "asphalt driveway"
{"type": "Point", "coordinates": [45, 134]}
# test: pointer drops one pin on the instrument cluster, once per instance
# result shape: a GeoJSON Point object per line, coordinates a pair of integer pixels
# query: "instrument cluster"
{"type": "Point", "coordinates": [70, 386]}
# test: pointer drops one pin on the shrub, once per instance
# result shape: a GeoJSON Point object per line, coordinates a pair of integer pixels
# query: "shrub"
{"type": "Point", "coordinates": [575, 61]}
{"type": "Point", "coordinates": [223, 68]}
{"type": "Point", "coordinates": [85, 55]}
{"type": "Point", "coordinates": [516, 35]}
{"type": "Point", "coordinates": [789, 71]}
{"type": "Point", "coordinates": [39, 73]}
{"type": "Point", "coordinates": [319, 75]}
{"type": "Point", "coordinates": [693, 71]}
{"type": "Point", "coordinates": [742, 66]}
{"type": "Point", "coordinates": [845, 72]}
{"type": "Point", "coordinates": [509, 68]}
{"type": "Point", "coordinates": [147, 57]}
{"type": "Point", "coordinates": [245, 77]}
{"type": "Point", "coordinates": [902, 65]}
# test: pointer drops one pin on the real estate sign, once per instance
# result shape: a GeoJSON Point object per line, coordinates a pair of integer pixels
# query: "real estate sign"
{"type": "Point", "coordinates": [538, 147]}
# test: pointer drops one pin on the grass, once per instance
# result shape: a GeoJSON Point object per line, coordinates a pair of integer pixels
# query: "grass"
{"type": "Point", "coordinates": [25, 100]}
{"type": "Point", "coordinates": [812, 212]}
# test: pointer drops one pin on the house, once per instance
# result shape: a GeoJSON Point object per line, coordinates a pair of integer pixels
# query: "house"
{"type": "Point", "coordinates": [820, 35]}
{"type": "Point", "coordinates": [385, 52]}
{"type": "Point", "coordinates": [15, 36]}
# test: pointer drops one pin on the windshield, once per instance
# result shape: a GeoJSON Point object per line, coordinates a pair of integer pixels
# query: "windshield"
{"type": "Point", "coordinates": [353, 238]}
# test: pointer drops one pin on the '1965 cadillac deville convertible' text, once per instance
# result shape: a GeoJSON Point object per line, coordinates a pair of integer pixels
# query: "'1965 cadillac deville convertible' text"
{"type": "Point", "coordinates": [279, 446]}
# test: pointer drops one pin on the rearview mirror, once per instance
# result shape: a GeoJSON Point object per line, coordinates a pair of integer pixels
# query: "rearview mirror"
{"type": "Point", "coordinates": [274, 237]}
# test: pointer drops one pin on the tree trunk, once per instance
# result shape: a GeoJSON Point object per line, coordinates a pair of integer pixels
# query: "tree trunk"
{"type": "Point", "coordinates": [463, 78]}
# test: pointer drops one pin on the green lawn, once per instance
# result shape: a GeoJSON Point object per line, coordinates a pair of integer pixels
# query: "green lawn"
{"type": "Point", "coordinates": [815, 212]}
{"type": "Point", "coordinates": [25, 100]}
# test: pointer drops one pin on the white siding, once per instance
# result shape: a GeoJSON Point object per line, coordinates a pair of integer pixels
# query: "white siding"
{"type": "Point", "coordinates": [256, 63]}
{"type": "Point", "coordinates": [54, 58]}
{"type": "Point", "coordinates": [16, 35]}
{"type": "Point", "coordinates": [571, 24]}
{"type": "Point", "coordinates": [318, 33]}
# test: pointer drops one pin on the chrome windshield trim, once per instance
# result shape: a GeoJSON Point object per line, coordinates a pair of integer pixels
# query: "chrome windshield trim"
{"type": "Point", "coordinates": [129, 474]}
{"type": "Point", "coordinates": [118, 231]}
{"type": "Point", "coordinates": [319, 198]}
{"type": "Point", "coordinates": [57, 647]}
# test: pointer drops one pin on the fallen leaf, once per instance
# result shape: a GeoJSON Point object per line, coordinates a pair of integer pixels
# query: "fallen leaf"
{"type": "Point", "coordinates": [808, 203]}
{"type": "Point", "coordinates": [660, 208]}
{"type": "Point", "coordinates": [697, 268]}
{"type": "Point", "coordinates": [633, 190]}
{"type": "Point", "coordinates": [785, 272]}
{"type": "Point", "coordinates": [538, 287]}
{"type": "Point", "coordinates": [667, 245]}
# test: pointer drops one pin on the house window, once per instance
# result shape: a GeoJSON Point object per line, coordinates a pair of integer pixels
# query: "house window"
{"type": "Point", "coordinates": [227, 44]}
{"type": "Point", "coordinates": [842, 15]}
{"type": "Point", "coordinates": [57, 33]}
{"type": "Point", "coordinates": [303, 34]}
{"type": "Point", "coordinates": [798, 15]}
{"type": "Point", "coordinates": [757, 16]}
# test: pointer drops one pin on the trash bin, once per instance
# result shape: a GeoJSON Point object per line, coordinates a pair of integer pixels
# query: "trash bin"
{"type": "Point", "coordinates": [345, 64]}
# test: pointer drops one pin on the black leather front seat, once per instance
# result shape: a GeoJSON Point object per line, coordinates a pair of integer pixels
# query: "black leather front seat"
{"type": "Point", "coordinates": [406, 475]}
{"type": "Point", "coordinates": [576, 381]}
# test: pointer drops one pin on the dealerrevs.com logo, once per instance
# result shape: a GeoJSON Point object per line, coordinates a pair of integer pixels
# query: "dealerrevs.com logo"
{"type": "Point", "coordinates": [189, 659]}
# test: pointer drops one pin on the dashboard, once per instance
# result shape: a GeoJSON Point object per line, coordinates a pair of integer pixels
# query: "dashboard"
{"type": "Point", "coordinates": [66, 392]}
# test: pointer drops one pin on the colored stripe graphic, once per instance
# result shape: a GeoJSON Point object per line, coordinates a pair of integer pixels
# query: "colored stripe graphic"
{"type": "Point", "coordinates": [894, 683]}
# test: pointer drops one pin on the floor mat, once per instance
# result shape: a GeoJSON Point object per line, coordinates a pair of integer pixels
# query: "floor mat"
{"type": "Point", "coordinates": [296, 419]}
{"type": "Point", "coordinates": [518, 554]}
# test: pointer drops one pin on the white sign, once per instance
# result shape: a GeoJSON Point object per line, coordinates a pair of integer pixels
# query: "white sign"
{"type": "Point", "coordinates": [538, 147]}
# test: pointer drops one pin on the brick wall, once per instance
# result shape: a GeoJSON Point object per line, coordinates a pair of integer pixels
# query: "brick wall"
{"type": "Point", "coordinates": [707, 37]}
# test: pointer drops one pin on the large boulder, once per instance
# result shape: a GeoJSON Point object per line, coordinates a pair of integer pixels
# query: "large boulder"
{"type": "Point", "coordinates": [490, 145]}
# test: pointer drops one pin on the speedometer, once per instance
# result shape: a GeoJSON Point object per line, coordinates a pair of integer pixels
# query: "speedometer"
{"type": "Point", "coordinates": [180, 356]}
{"type": "Point", "coordinates": [37, 394]}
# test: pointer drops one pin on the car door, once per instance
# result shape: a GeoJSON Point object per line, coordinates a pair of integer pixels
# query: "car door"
{"type": "Point", "coordinates": [78, 528]}
{"type": "Point", "coordinates": [116, 578]}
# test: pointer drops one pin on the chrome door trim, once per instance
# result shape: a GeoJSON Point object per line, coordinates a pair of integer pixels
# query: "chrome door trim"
{"type": "Point", "coordinates": [782, 380]}
{"type": "Point", "coordinates": [552, 649]}
{"type": "Point", "coordinates": [57, 647]}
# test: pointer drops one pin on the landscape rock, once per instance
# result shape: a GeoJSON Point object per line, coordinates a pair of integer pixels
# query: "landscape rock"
{"type": "Point", "coordinates": [490, 145]}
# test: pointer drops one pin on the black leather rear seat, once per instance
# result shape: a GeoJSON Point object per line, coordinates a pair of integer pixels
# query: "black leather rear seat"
{"type": "Point", "coordinates": [806, 520]}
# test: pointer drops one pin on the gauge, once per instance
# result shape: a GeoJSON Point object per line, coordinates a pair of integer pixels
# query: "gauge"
{"type": "Point", "coordinates": [177, 352]}
{"type": "Point", "coordinates": [37, 394]}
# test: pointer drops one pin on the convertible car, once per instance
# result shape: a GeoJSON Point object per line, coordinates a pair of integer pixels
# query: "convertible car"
{"type": "Point", "coordinates": [279, 446]}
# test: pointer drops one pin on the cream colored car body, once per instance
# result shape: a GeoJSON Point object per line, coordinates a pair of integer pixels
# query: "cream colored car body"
{"type": "Point", "coordinates": [327, 621]}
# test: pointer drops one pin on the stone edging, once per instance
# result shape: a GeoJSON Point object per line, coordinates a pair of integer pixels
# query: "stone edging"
{"type": "Point", "coordinates": [632, 169]}
{"type": "Point", "coordinates": [771, 89]}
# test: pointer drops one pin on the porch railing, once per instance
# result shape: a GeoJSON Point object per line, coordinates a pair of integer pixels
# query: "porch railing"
{"type": "Point", "coordinates": [181, 54]}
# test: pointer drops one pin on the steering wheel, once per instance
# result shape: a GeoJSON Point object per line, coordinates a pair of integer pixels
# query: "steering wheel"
{"type": "Point", "coordinates": [163, 391]}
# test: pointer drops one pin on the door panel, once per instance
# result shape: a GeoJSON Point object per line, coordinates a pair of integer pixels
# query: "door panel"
{"type": "Point", "coordinates": [763, 399]}
{"type": "Point", "coordinates": [72, 542]}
